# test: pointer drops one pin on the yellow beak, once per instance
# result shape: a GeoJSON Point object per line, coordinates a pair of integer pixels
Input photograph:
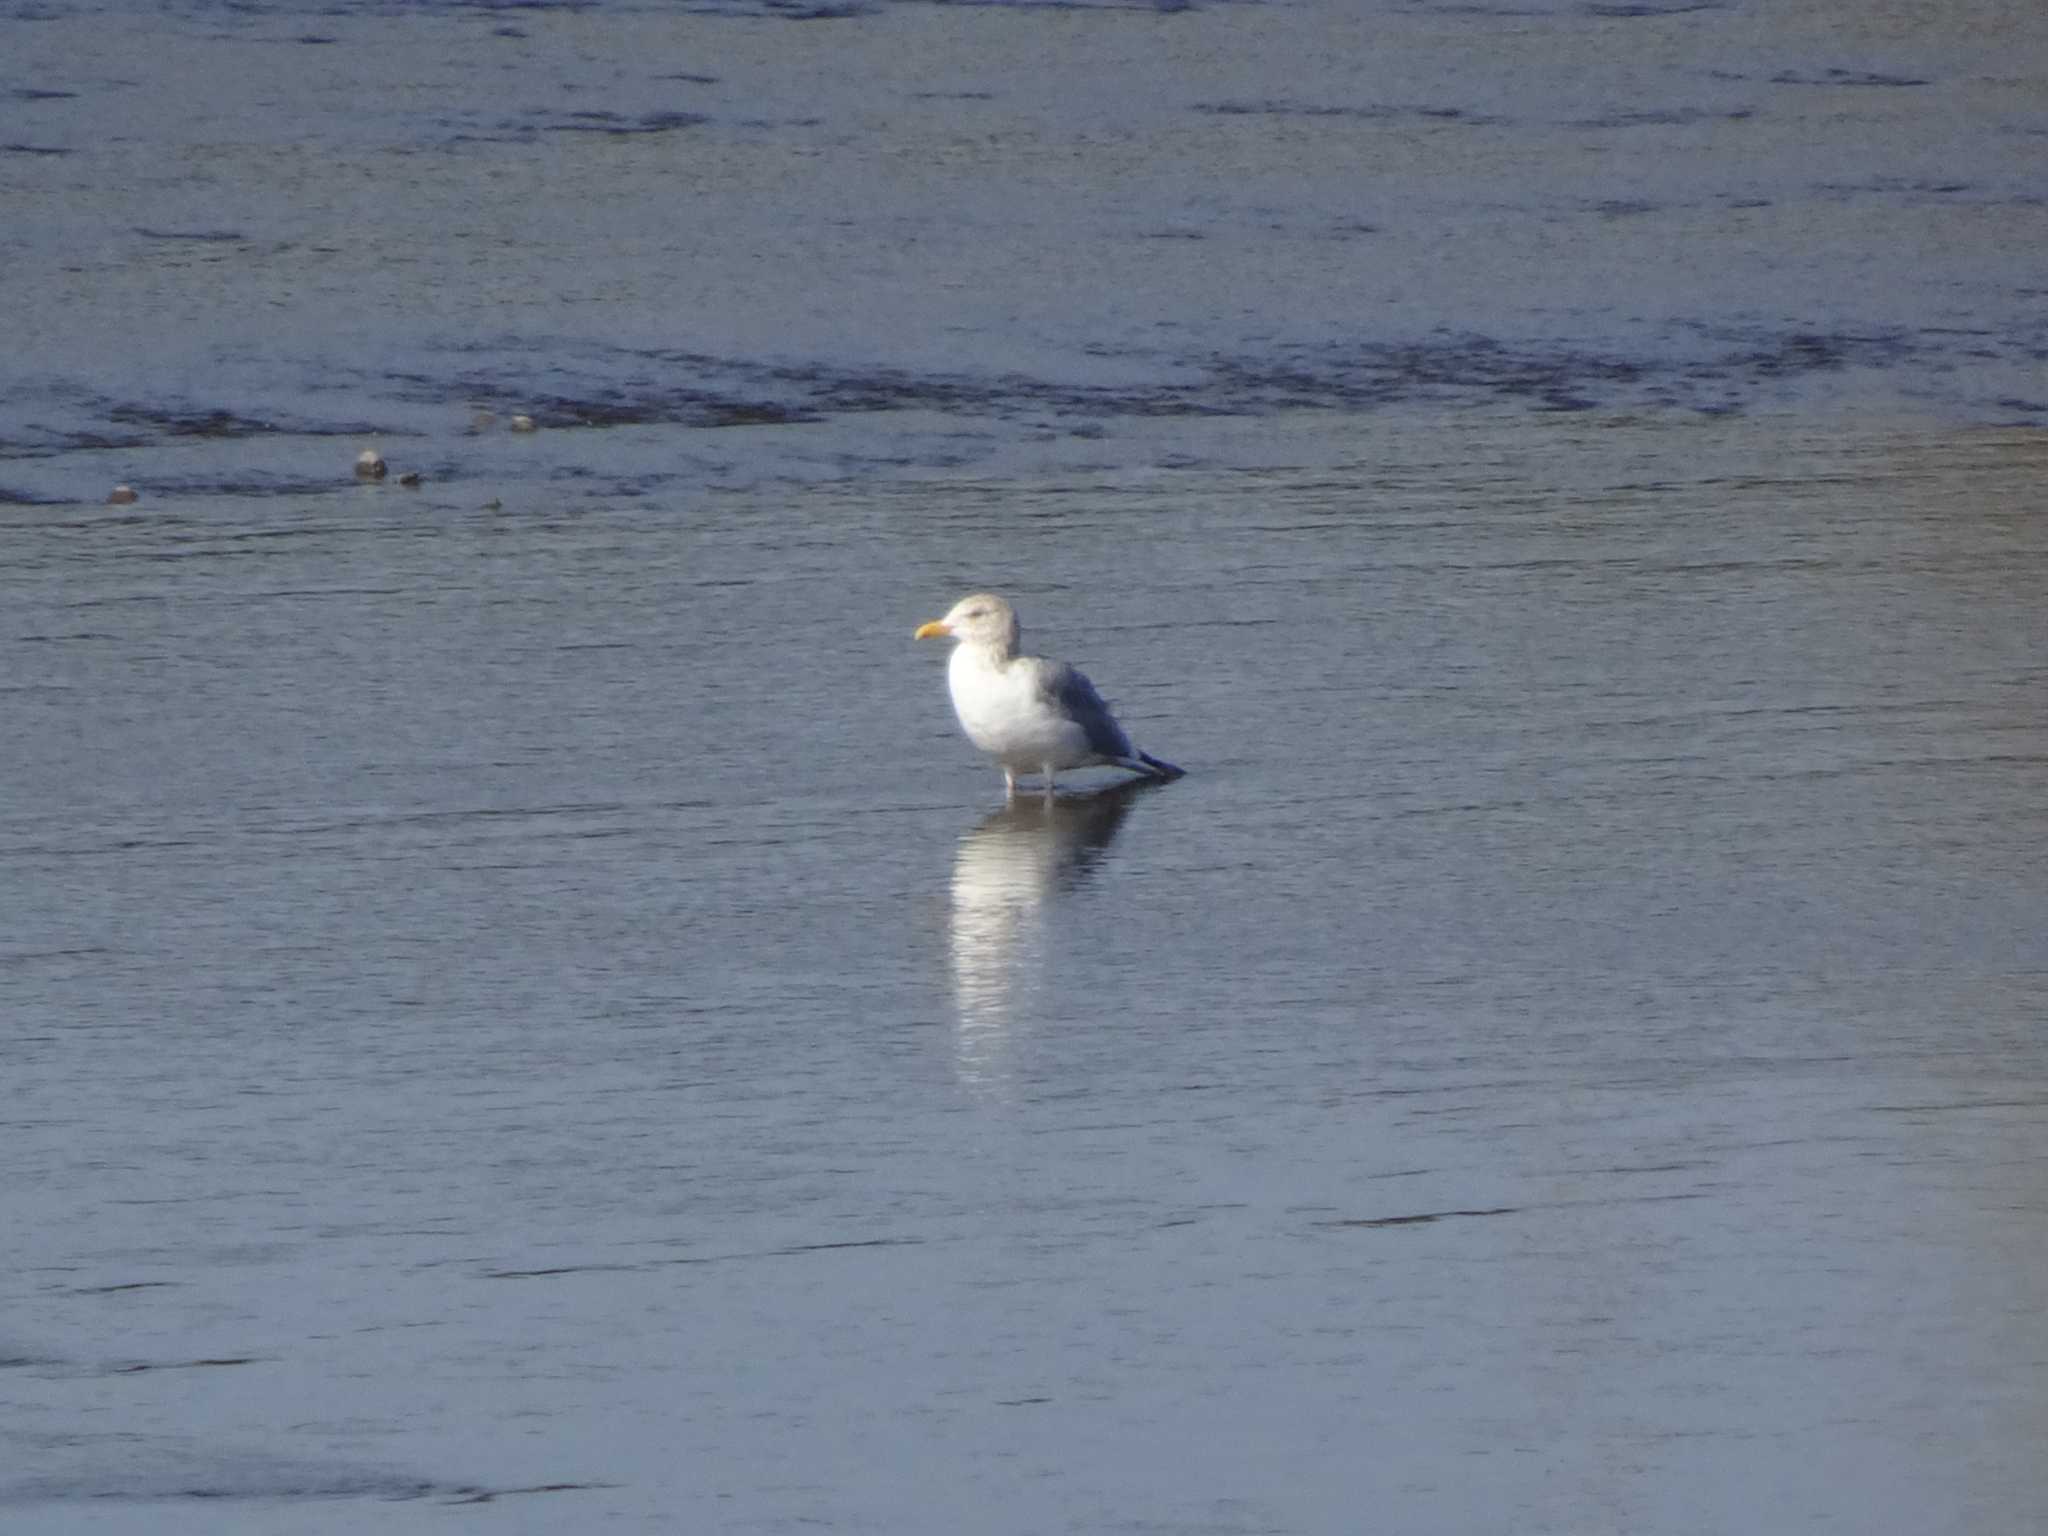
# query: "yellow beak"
{"type": "Point", "coordinates": [932, 631]}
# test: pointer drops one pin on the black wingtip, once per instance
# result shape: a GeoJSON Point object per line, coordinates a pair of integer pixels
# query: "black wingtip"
{"type": "Point", "coordinates": [1160, 769]}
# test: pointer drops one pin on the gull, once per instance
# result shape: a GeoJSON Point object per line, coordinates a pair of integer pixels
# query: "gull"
{"type": "Point", "coordinates": [1029, 714]}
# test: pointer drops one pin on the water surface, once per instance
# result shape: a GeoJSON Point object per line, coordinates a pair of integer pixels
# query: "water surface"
{"type": "Point", "coordinates": [520, 1011]}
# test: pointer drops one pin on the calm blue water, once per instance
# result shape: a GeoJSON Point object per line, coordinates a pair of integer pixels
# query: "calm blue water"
{"type": "Point", "coordinates": [519, 1012]}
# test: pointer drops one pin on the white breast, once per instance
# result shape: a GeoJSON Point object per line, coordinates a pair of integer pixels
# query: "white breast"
{"type": "Point", "coordinates": [1004, 713]}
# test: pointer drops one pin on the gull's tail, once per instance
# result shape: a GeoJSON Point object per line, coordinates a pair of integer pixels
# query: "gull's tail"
{"type": "Point", "coordinates": [1158, 768]}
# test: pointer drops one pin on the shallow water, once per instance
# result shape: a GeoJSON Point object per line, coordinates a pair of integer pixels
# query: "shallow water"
{"type": "Point", "coordinates": [552, 1002]}
{"type": "Point", "coordinates": [520, 1010]}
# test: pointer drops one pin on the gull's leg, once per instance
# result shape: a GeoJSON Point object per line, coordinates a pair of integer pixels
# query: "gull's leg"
{"type": "Point", "coordinates": [1009, 782]}
{"type": "Point", "coordinates": [1048, 780]}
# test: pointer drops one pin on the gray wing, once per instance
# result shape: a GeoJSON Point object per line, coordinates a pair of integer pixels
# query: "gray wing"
{"type": "Point", "coordinates": [1074, 696]}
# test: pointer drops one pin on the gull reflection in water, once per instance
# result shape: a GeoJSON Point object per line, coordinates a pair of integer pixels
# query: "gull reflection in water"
{"type": "Point", "coordinates": [1010, 864]}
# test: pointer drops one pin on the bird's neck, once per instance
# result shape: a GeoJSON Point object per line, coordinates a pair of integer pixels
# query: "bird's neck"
{"type": "Point", "coordinates": [975, 662]}
{"type": "Point", "coordinates": [990, 654]}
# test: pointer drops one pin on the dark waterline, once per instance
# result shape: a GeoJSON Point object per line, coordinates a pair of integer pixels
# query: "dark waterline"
{"type": "Point", "coordinates": [925, 238]}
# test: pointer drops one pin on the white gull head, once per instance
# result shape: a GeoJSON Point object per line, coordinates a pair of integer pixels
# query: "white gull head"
{"type": "Point", "coordinates": [979, 619]}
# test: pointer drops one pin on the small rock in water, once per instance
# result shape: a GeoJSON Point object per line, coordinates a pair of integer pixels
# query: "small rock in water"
{"type": "Point", "coordinates": [410, 477]}
{"type": "Point", "coordinates": [523, 424]}
{"type": "Point", "coordinates": [369, 466]}
{"type": "Point", "coordinates": [121, 495]}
